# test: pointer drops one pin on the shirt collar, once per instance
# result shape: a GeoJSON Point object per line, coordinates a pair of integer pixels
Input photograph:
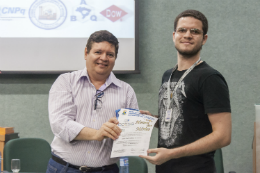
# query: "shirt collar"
{"type": "Point", "coordinates": [111, 78]}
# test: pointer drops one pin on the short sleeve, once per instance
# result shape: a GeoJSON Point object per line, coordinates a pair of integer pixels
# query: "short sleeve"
{"type": "Point", "coordinates": [215, 94]}
{"type": "Point", "coordinates": [166, 75]}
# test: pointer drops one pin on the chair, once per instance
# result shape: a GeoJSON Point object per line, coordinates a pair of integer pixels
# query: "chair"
{"type": "Point", "coordinates": [34, 154]}
{"type": "Point", "coordinates": [219, 161]}
{"type": "Point", "coordinates": [136, 165]}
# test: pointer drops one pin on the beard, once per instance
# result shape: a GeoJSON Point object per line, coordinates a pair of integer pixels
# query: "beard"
{"type": "Point", "coordinates": [189, 53]}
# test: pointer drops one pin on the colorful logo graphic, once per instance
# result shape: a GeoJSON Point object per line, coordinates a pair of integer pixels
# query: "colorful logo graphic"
{"type": "Point", "coordinates": [83, 12]}
{"type": "Point", "coordinates": [113, 13]}
{"type": "Point", "coordinates": [47, 14]}
{"type": "Point", "coordinates": [124, 112]}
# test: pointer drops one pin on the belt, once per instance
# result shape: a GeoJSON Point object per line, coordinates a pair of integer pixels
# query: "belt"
{"type": "Point", "coordinates": [82, 168]}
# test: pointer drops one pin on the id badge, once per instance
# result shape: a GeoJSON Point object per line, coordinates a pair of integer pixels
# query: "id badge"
{"type": "Point", "coordinates": [168, 115]}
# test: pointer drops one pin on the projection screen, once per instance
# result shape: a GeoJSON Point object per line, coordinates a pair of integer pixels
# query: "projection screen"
{"type": "Point", "coordinates": [49, 36]}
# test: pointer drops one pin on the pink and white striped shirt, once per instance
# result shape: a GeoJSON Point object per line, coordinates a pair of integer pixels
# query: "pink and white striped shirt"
{"type": "Point", "coordinates": [71, 108]}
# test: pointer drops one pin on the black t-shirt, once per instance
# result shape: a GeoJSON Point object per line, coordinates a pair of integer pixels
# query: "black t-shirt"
{"type": "Point", "coordinates": [204, 90]}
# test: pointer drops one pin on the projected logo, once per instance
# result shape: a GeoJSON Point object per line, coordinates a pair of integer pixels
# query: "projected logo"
{"type": "Point", "coordinates": [47, 14]}
{"type": "Point", "coordinates": [83, 12]}
{"type": "Point", "coordinates": [113, 13]}
{"type": "Point", "coordinates": [12, 13]}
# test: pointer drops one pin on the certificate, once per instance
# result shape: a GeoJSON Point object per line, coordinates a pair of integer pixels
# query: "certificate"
{"type": "Point", "coordinates": [136, 132]}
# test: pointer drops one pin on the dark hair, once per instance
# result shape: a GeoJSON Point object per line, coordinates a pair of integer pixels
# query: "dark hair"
{"type": "Point", "coordinates": [197, 15]}
{"type": "Point", "coordinates": [100, 36]}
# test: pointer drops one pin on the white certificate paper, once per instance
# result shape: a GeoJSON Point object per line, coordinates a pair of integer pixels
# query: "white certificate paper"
{"type": "Point", "coordinates": [136, 132]}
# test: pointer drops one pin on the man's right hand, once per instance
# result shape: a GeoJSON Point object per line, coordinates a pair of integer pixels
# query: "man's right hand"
{"type": "Point", "coordinates": [108, 129]}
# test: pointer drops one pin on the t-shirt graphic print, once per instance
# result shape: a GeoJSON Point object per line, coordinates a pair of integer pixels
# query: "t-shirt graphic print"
{"type": "Point", "coordinates": [170, 129]}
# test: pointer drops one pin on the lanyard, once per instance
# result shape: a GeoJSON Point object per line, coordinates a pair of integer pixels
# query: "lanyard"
{"type": "Point", "coordinates": [178, 83]}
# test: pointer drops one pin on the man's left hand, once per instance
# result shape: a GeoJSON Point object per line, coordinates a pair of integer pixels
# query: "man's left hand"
{"type": "Point", "coordinates": [162, 156]}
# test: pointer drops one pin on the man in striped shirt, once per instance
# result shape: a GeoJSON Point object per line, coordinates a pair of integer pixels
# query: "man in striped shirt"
{"type": "Point", "coordinates": [82, 108]}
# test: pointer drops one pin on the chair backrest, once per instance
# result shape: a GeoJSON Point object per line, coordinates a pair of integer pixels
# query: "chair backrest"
{"type": "Point", "coordinates": [34, 154]}
{"type": "Point", "coordinates": [219, 161]}
{"type": "Point", "coordinates": [136, 165]}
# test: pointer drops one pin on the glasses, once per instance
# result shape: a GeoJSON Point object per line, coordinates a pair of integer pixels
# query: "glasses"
{"type": "Point", "coordinates": [98, 102]}
{"type": "Point", "coordinates": [193, 31]}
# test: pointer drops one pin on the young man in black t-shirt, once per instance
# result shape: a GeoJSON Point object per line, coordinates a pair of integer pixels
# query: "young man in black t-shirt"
{"type": "Point", "coordinates": [194, 106]}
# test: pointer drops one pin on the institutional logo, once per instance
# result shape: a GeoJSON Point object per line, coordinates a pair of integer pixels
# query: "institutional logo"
{"type": "Point", "coordinates": [83, 12]}
{"type": "Point", "coordinates": [47, 14]}
{"type": "Point", "coordinates": [12, 11]}
{"type": "Point", "coordinates": [113, 13]}
{"type": "Point", "coordinates": [124, 112]}
{"type": "Point", "coordinates": [8, 13]}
